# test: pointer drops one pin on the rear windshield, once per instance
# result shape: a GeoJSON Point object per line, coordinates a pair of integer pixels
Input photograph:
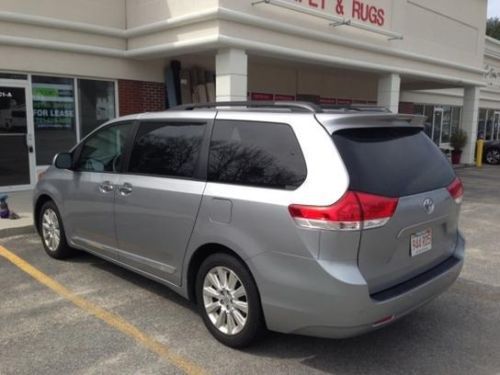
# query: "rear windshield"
{"type": "Point", "coordinates": [392, 162]}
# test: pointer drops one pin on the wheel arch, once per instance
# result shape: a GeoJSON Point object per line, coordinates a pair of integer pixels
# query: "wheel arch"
{"type": "Point", "coordinates": [197, 258]}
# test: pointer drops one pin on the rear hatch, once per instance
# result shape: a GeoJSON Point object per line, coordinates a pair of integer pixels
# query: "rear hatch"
{"type": "Point", "coordinates": [401, 163]}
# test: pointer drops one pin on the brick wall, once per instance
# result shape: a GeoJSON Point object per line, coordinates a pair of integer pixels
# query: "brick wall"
{"type": "Point", "coordinates": [407, 108]}
{"type": "Point", "coordinates": [140, 96]}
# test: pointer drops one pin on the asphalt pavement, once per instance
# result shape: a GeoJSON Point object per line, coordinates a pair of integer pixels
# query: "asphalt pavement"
{"type": "Point", "coordinates": [98, 318]}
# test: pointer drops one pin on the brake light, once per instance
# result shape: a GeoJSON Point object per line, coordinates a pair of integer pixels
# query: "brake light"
{"type": "Point", "coordinates": [354, 211]}
{"type": "Point", "coordinates": [456, 190]}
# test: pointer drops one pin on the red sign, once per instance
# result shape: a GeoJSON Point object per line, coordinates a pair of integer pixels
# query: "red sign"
{"type": "Point", "coordinates": [330, 101]}
{"type": "Point", "coordinates": [363, 11]}
{"type": "Point", "coordinates": [280, 97]}
{"type": "Point", "coordinates": [260, 96]}
{"type": "Point", "coordinates": [344, 101]}
{"type": "Point", "coordinates": [360, 10]}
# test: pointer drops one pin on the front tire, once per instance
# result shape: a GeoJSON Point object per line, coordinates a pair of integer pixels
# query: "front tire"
{"type": "Point", "coordinates": [52, 232]}
{"type": "Point", "coordinates": [228, 301]}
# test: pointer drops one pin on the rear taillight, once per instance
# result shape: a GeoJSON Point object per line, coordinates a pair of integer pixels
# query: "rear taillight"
{"type": "Point", "coordinates": [354, 211]}
{"type": "Point", "coordinates": [456, 190]}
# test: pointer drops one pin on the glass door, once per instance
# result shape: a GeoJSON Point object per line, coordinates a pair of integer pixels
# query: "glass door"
{"type": "Point", "coordinates": [496, 126]}
{"type": "Point", "coordinates": [17, 164]}
{"type": "Point", "coordinates": [437, 125]}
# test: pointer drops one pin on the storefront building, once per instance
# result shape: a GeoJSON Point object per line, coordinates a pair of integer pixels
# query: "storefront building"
{"type": "Point", "coordinates": [69, 66]}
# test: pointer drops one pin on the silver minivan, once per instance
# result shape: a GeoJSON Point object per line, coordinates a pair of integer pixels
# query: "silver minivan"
{"type": "Point", "coordinates": [288, 216]}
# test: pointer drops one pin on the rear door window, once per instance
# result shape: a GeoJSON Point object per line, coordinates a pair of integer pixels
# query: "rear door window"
{"type": "Point", "coordinates": [392, 162]}
{"type": "Point", "coordinates": [256, 154]}
{"type": "Point", "coordinates": [167, 149]}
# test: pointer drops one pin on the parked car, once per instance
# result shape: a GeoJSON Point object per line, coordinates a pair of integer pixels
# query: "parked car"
{"type": "Point", "coordinates": [284, 216]}
{"type": "Point", "coordinates": [492, 152]}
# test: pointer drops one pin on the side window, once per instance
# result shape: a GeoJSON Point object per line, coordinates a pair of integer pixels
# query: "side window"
{"type": "Point", "coordinates": [103, 151]}
{"type": "Point", "coordinates": [167, 149]}
{"type": "Point", "coordinates": [256, 154]}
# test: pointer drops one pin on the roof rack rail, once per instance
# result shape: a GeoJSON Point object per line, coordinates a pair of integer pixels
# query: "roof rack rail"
{"type": "Point", "coordinates": [299, 106]}
{"type": "Point", "coordinates": [355, 107]}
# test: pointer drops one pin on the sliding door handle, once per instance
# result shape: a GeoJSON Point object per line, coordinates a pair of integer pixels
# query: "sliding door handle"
{"type": "Point", "coordinates": [125, 189]}
{"type": "Point", "coordinates": [106, 187]}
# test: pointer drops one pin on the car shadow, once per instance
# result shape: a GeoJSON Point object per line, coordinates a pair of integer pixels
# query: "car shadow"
{"type": "Point", "coordinates": [133, 278]}
{"type": "Point", "coordinates": [458, 333]}
{"type": "Point", "coordinates": [454, 334]}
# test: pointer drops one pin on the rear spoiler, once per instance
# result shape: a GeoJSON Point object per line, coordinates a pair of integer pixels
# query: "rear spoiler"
{"type": "Point", "coordinates": [367, 120]}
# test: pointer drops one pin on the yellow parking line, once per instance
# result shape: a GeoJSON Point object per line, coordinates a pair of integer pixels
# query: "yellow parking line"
{"type": "Point", "coordinates": [112, 319]}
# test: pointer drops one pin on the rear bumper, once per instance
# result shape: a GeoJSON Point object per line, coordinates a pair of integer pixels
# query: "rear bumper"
{"type": "Point", "coordinates": [327, 299]}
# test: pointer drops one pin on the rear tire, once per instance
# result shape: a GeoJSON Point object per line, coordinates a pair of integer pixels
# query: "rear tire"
{"type": "Point", "coordinates": [52, 232]}
{"type": "Point", "coordinates": [492, 156]}
{"type": "Point", "coordinates": [228, 301]}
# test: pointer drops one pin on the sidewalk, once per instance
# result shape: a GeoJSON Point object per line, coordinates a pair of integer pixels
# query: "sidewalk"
{"type": "Point", "coordinates": [20, 203]}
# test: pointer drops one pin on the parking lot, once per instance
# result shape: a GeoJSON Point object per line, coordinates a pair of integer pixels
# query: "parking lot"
{"type": "Point", "coordinates": [87, 316]}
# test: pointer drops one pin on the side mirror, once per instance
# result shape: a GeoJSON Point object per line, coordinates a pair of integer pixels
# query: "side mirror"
{"type": "Point", "coordinates": [63, 160]}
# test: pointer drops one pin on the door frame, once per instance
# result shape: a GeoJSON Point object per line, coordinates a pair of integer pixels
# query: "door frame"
{"type": "Point", "coordinates": [30, 132]}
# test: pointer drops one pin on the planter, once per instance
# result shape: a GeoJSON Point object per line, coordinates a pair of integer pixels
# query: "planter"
{"type": "Point", "coordinates": [455, 156]}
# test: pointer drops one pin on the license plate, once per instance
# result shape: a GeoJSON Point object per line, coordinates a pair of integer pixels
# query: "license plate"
{"type": "Point", "coordinates": [421, 242]}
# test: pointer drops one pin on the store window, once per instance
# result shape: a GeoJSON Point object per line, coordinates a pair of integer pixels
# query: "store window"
{"type": "Point", "coordinates": [481, 125]}
{"type": "Point", "coordinates": [456, 113]}
{"type": "Point", "coordinates": [488, 134]}
{"type": "Point", "coordinates": [440, 123]}
{"type": "Point", "coordinates": [446, 125]}
{"type": "Point", "coordinates": [418, 109]}
{"type": "Point", "coordinates": [54, 116]}
{"type": "Point", "coordinates": [96, 104]}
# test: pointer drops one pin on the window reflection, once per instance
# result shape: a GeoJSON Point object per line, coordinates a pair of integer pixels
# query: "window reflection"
{"type": "Point", "coordinates": [167, 149]}
{"type": "Point", "coordinates": [256, 154]}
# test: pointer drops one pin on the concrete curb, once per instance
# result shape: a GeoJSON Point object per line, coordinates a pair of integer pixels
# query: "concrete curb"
{"type": "Point", "coordinates": [9, 232]}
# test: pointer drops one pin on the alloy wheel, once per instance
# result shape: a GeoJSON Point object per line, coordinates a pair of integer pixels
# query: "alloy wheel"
{"type": "Point", "coordinates": [50, 229]}
{"type": "Point", "coordinates": [225, 300]}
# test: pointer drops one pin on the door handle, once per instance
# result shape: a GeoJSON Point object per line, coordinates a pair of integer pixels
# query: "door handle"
{"type": "Point", "coordinates": [29, 146]}
{"type": "Point", "coordinates": [125, 189]}
{"type": "Point", "coordinates": [106, 187]}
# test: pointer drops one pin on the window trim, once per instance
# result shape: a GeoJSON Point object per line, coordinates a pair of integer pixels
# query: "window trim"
{"type": "Point", "coordinates": [268, 123]}
{"type": "Point", "coordinates": [201, 167]}
{"type": "Point", "coordinates": [76, 152]}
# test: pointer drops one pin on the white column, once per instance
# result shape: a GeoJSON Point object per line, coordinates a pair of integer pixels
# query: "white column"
{"type": "Point", "coordinates": [231, 70]}
{"type": "Point", "coordinates": [388, 92]}
{"type": "Point", "coordinates": [470, 114]}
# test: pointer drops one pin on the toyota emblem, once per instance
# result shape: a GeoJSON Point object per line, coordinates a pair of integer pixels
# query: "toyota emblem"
{"type": "Point", "coordinates": [429, 206]}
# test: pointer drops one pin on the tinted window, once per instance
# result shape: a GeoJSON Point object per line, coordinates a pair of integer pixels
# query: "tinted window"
{"type": "Point", "coordinates": [103, 151]}
{"type": "Point", "coordinates": [392, 162]}
{"type": "Point", "coordinates": [258, 154]}
{"type": "Point", "coordinates": [167, 149]}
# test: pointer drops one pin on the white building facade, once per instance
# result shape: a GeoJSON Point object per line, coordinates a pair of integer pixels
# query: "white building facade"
{"type": "Point", "coordinates": [68, 66]}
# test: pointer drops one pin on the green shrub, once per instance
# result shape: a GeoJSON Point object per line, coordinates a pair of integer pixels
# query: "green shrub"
{"type": "Point", "coordinates": [458, 139]}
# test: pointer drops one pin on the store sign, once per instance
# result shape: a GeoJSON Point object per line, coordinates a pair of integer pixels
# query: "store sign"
{"type": "Point", "coordinates": [328, 101]}
{"type": "Point", "coordinates": [258, 96]}
{"type": "Point", "coordinates": [53, 106]}
{"type": "Point", "coordinates": [281, 97]}
{"type": "Point", "coordinates": [373, 12]}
